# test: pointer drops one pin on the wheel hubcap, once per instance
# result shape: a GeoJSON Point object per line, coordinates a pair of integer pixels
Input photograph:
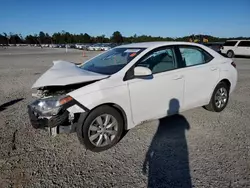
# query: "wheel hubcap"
{"type": "Point", "coordinates": [103, 130]}
{"type": "Point", "coordinates": [221, 97]}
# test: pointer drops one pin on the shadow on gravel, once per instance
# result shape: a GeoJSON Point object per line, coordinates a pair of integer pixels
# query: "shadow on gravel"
{"type": "Point", "coordinates": [10, 103]}
{"type": "Point", "coordinates": [166, 161]}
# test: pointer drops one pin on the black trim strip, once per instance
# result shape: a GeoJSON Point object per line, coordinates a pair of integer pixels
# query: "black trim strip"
{"type": "Point", "coordinates": [81, 106]}
{"type": "Point", "coordinates": [72, 103]}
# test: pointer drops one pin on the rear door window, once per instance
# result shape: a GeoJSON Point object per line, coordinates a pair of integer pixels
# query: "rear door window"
{"type": "Point", "coordinates": [244, 43]}
{"type": "Point", "coordinates": [192, 55]}
{"type": "Point", "coordinates": [230, 43]}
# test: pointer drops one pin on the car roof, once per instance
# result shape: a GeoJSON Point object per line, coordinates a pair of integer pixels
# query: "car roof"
{"type": "Point", "coordinates": [155, 44]}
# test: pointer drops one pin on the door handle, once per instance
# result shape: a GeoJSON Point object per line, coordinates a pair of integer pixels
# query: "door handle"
{"type": "Point", "coordinates": [213, 68]}
{"type": "Point", "coordinates": [177, 77]}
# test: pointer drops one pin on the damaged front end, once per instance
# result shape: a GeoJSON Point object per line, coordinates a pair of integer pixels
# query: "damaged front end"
{"type": "Point", "coordinates": [53, 109]}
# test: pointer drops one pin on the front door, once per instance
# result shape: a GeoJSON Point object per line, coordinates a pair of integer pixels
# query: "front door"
{"type": "Point", "coordinates": [160, 95]}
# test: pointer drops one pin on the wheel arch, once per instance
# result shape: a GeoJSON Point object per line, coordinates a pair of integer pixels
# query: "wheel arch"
{"type": "Point", "coordinates": [211, 105]}
{"type": "Point", "coordinates": [118, 108]}
{"type": "Point", "coordinates": [225, 80]}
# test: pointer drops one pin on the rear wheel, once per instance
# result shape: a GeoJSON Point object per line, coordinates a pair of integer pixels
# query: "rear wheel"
{"type": "Point", "coordinates": [230, 54]}
{"type": "Point", "coordinates": [102, 129]}
{"type": "Point", "coordinates": [219, 98]}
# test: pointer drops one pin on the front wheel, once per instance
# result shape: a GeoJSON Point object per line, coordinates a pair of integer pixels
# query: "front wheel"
{"type": "Point", "coordinates": [219, 98]}
{"type": "Point", "coordinates": [102, 129]}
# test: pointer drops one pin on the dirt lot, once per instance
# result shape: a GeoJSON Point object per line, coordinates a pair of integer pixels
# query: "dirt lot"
{"type": "Point", "coordinates": [199, 149]}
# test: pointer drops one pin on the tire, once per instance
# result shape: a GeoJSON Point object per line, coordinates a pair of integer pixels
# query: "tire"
{"type": "Point", "coordinates": [213, 104]}
{"type": "Point", "coordinates": [230, 54]}
{"type": "Point", "coordinates": [85, 133]}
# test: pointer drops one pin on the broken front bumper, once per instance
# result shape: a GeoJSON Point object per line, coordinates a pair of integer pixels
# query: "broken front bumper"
{"type": "Point", "coordinates": [38, 121]}
{"type": "Point", "coordinates": [62, 119]}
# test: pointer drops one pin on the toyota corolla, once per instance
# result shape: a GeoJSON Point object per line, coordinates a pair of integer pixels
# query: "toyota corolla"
{"type": "Point", "coordinates": [127, 85]}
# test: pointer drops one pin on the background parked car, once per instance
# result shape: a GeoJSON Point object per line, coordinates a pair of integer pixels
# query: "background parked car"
{"type": "Point", "coordinates": [81, 46]}
{"type": "Point", "coordinates": [236, 47]}
{"type": "Point", "coordinates": [85, 46]}
{"type": "Point", "coordinates": [61, 45]}
{"type": "Point", "coordinates": [53, 46]}
{"type": "Point", "coordinates": [78, 46]}
{"type": "Point", "coordinates": [95, 47]}
{"type": "Point", "coordinates": [107, 46]}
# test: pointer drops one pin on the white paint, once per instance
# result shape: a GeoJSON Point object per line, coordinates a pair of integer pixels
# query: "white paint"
{"type": "Point", "coordinates": [237, 50]}
{"type": "Point", "coordinates": [142, 71]}
{"type": "Point", "coordinates": [145, 99]}
{"type": "Point", "coordinates": [75, 109]}
{"type": "Point", "coordinates": [150, 97]}
{"type": "Point", "coordinates": [199, 83]}
{"type": "Point", "coordinates": [65, 73]}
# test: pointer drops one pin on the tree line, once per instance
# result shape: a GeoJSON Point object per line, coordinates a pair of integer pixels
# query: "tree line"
{"type": "Point", "coordinates": [64, 37]}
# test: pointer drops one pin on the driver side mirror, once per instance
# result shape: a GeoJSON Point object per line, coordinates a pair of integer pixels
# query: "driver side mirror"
{"type": "Point", "coordinates": [142, 72]}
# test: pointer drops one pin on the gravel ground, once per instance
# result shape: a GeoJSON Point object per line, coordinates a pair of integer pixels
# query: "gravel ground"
{"type": "Point", "coordinates": [195, 149]}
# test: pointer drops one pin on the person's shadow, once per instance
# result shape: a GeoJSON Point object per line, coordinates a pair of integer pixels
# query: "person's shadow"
{"type": "Point", "coordinates": [166, 161]}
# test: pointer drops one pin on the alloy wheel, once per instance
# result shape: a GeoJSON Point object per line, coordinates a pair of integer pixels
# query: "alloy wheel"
{"type": "Point", "coordinates": [103, 130]}
{"type": "Point", "coordinates": [221, 97]}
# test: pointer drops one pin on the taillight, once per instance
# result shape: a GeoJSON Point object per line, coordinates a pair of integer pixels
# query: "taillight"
{"type": "Point", "coordinates": [233, 64]}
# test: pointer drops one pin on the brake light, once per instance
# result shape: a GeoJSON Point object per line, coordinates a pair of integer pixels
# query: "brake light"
{"type": "Point", "coordinates": [233, 64]}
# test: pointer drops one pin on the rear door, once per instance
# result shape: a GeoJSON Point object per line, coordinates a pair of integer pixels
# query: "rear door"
{"type": "Point", "coordinates": [201, 74]}
{"type": "Point", "coordinates": [243, 48]}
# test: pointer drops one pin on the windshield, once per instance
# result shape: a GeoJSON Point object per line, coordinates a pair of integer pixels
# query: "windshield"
{"type": "Point", "coordinates": [111, 61]}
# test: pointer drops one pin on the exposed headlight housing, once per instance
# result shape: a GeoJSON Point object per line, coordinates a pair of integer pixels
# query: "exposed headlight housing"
{"type": "Point", "coordinates": [50, 106]}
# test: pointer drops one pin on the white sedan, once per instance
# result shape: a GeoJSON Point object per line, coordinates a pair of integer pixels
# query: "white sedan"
{"type": "Point", "coordinates": [127, 85]}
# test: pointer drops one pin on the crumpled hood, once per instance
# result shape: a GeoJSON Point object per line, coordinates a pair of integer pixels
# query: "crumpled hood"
{"type": "Point", "coordinates": [65, 73]}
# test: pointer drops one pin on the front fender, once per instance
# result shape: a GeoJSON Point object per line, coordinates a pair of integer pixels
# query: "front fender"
{"type": "Point", "coordinates": [118, 95]}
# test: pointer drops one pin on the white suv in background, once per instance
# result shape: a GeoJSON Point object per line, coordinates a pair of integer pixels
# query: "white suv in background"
{"type": "Point", "coordinates": [236, 47]}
